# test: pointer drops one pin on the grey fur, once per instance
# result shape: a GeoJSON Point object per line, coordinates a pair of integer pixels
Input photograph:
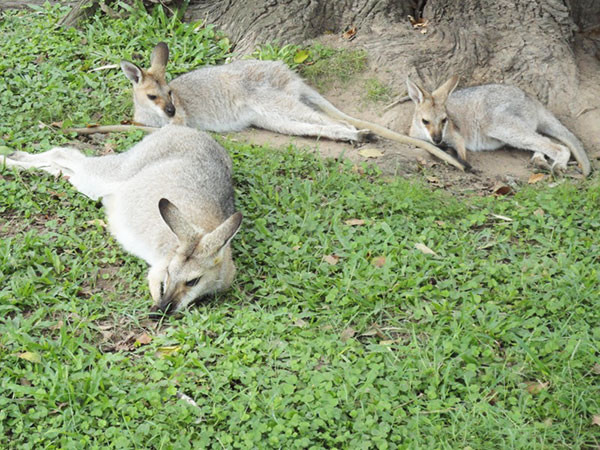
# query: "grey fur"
{"type": "Point", "coordinates": [188, 169]}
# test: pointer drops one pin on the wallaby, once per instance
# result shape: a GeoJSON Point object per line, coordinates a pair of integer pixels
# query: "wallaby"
{"type": "Point", "coordinates": [168, 200]}
{"type": "Point", "coordinates": [234, 96]}
{"type": "Point", "coordinates": [490, 116]}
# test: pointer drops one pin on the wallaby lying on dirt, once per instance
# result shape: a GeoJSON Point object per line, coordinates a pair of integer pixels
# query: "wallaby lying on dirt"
{"type": "Point", "coordinates": [231, 97]}
{"type": "Point", "coordinates": [168, 200]}
{"type": "Point", "coordinates": [490, 116]}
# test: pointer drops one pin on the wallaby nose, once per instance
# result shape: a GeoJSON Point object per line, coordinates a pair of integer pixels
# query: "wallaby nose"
{"type": "Point", "coordinates": [161, 310]}
{"type": "Point", "coordinates": [170, 109]}
{"type": "Point", "coordinates": [437, 139]}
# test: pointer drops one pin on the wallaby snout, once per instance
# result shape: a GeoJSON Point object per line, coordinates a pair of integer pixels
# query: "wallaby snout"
{"type": "Point", "coordinates": [437, 137]}
{"type": "Point", "coordinates": [170, 109]}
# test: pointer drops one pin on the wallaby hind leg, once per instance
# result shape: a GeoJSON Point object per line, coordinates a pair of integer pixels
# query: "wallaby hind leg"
{"type": "Point", "coordinates": [516, 135]}
{"type": "Point", "coordinates": [56, 161]}
{"type": "Point", "coordinates": [296, 118]}
{"type": "Point", "coordinates": [65, 161]}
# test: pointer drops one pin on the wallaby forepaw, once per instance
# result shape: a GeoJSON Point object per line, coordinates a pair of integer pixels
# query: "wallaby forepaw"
{"type": "Point", "coordinates": [17, 155]}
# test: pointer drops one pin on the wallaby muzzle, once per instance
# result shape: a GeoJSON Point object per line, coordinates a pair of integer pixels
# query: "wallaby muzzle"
{"type": "Point", "coordinates": [170, 109]}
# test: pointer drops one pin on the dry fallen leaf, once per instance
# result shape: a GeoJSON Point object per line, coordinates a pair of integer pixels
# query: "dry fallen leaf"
{"type": "Point", "coordinates": [166, 351]}
{"type": "Point", "coordinates": [501, 189]}
{"type": "Point", "coordinates": [535, 177]}
{"type": "Point", "coordinates": [535, 387]}
{"type": "Point", "coordinates": [596, 419]}
{"type": "Point", "coordinates": [331, 259]}
{"type": "Point", "coordinates": [388, 342]}
{"type": "Point", "coordinates": [370, 153]}
{"type": "Point", "coordinates": [353, 222]}
{"type": "Point", "coordinates": [424, 249]}
{"type": "Point", "coordinates": [300, 323]}
{"type": "Point", "coordinates": [143, 339]}
{"type": "Point", "coordinates": [441, 223]}
{"type": "Point", "coordinates": [30, 356]}
{"type": "Point", "coordinates": [378, 261]}
{"type": "Point", "coordinates": [350, 33]}
{"type": "Point", "coordinates": [434, 180]}
{"type": "Point", "coordinates": [347, 334]}
{"type": "Point", "coordinates": [98, 222]}
{"type": "Point", "coordinates": [58, 325]}
{"type": "Point", "coordinates": [358, 169]}
{"type": "Point", "coordinates": [296, 247]}
{"type": "Point", "coordinates": [539, 212]}
{"type": "Point", "coordinates": [596, 369]}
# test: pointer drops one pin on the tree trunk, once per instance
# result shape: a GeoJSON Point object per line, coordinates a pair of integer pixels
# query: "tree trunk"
{"type": "Point", "coordinates": [529, 43]}
{"type": "Point", "coordinates": [250, 22]}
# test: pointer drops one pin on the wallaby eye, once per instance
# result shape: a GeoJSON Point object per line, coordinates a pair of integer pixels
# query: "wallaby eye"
{"type": "Point", "coordinates": [425, 122]}
{"type": "Point", "coordinates": [444, 120]}
{"type": "Point", "coordinates": [152, 97]}
{"type": "Point", "coordinates": [170, 93]}
{"type": "Point", "coordinates": [193, 282]}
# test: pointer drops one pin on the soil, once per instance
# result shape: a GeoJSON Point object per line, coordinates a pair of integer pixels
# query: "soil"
{"type": "Point", "coordinates": [489, 169]}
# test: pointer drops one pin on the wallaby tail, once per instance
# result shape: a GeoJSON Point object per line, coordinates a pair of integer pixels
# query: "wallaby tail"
{"type": "Point", "coordinates": [323, 104]}
{"type": "Point", "coordinates": [110, 129]}
{"type": "Point", "coordinates": [552, 127]}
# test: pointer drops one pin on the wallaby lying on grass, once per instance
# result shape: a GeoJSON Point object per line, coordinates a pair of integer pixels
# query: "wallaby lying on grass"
{"type": "Point", "coordinates": [168, 200]}
{"type": "Point", "coordinates": [490, 116]}
{"type": "Point", "coordinates": [231, 97]}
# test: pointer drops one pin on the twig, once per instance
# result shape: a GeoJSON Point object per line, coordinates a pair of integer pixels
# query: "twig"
{"type": "Point", "coordinates": [402, 99]}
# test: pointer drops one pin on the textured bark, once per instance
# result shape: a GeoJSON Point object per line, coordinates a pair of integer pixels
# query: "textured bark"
{"type": "Point", "coordinates": [294, 21]}
{"type": "Point", "coordinates": [529, 43]}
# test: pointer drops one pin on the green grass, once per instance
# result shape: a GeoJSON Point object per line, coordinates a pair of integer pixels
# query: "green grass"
{"type": "Point", "coordinates": [421, 351]}
{"type": "Point", "coordinates": [376, 91]}
{"type": "Point", "coordinates": [319, 65]}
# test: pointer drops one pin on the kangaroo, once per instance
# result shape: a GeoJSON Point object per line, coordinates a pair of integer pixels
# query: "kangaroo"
{"type": "Point", "coordinates": [490, 116]}
{"type": "Point", "coordinates": [234, 96]}
{"type": "Point", "coordinates": [168, 200]}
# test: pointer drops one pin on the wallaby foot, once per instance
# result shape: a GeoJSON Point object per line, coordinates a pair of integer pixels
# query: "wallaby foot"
{"type": "Point", "coordinates": [539, 161]}
{"type": "Point", "coordinates": [366, 136]}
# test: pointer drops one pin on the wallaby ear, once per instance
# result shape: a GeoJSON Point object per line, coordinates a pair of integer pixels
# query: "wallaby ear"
{"type": "Point", "coordinates": [217, 240]}
{"type": "Point", "coordinates": [416, 93]}
{"type": "Point", "coordinates": [159, 58]}
{"type": "Point", "coordinates": [442, 93]}
{"type": "Point", "coordinates": [175, 220]}
{"type": "Point", "coordinates": [133, 72]}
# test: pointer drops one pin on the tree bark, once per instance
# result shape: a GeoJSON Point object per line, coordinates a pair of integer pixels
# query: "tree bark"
{"type": "Point", "coordinates": [294, 21]}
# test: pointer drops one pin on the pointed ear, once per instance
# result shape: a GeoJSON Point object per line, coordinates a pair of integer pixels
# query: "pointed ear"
{"type": "Point", "coordinates": [217, 240]}
{"type": "Point", "coordinates": [416, 93]}
{"type": "Point", "coordinates": [133, 72]}
{"type": "Point", "coordinates": [159, 58]}
{"type": "Point", "coordinates": [175, 220]}
{"type": "Point", "coordinates": [441, 94]}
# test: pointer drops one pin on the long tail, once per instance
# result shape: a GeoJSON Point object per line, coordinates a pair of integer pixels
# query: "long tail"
{"type": "Point", "coordinates": [110, 129]}
{"type": "Point", "coordinates": [318, 100]}
{"type": "Point", "coordinates": [552, 127]}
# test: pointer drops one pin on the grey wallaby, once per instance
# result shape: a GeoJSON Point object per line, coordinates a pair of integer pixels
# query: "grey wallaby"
{"type": "Point", "coordinates": [169, 200]}
{"type": "Point", "coordinates": [231, 97]}
{"type": "Point", "coordinates": [490, 116]}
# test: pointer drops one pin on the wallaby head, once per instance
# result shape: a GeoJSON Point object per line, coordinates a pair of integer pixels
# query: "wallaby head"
{"type": "Point", "coordinates": [151, 92]}
{"type": "Point", "coordinates": [430, 119]}
{"type": "Point", "coordinates": [201, 264]}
